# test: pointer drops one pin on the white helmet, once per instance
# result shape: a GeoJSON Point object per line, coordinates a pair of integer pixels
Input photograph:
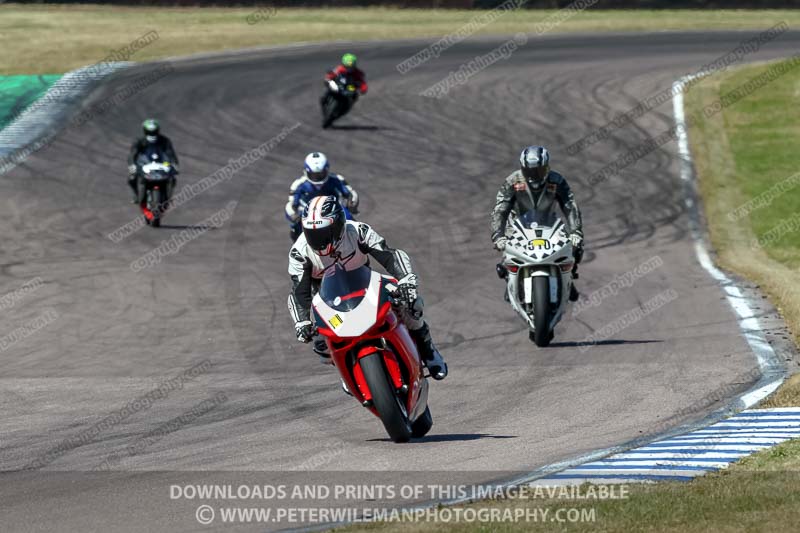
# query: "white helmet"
{"type": "Point", "coordinates": [316, 168]}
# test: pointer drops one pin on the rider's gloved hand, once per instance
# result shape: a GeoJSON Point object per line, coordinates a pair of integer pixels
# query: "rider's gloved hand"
{"type": "Point", "coordinates": [131, 169]}
{"type": "Point", "coordinates": [352, 202]}
{"type": "Point", "coordinates": [576, 237]}
{"type": "Point", "coordinates": [304, 331]}
{"type": "Point", "coordinates": [406, 293]}
{"type": "Point", "coordinates": [500, 244]}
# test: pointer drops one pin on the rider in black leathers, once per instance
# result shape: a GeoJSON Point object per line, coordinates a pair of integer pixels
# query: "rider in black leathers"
{"type": "Point", "coordinates": [152, 136]}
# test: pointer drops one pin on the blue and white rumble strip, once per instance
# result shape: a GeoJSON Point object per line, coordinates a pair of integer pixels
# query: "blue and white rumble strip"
{"type": "Point", "coordinates": [684, 457]}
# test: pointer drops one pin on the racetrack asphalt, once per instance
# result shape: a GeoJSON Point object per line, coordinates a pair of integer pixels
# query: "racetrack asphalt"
{"type": "Point", "coordinates": [428, 170]}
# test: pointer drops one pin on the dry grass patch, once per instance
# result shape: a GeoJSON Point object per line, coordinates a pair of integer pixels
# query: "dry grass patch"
{"type": "Point", "coordinates": [55, 38]}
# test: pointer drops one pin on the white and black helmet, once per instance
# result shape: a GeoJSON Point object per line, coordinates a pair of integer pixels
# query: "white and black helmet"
{"type": "Point", "coordinates": [323, 224]}
{"type": "Point", "coordinates": [534, 161]}
{"type": "Point", "coordinates": [316, 168]}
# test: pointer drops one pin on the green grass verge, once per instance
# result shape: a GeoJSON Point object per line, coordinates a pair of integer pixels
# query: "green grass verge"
{"type": "Point", "coordinates": [49, 38]}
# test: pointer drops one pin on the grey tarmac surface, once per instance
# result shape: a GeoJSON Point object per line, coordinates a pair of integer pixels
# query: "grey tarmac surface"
{"type": "Point", "coordinates": [428, 170]}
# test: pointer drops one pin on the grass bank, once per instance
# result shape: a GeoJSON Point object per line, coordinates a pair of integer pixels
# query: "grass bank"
{"type": "Point", "coordinates": [56, 38]}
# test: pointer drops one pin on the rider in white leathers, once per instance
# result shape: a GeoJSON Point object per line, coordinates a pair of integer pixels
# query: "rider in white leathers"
{"type": "Point", "coordinates": [329, 239]}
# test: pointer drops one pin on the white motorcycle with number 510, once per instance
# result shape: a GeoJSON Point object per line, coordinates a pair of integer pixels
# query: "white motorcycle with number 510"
{"type": "Point", "coordinates": [537, 266]}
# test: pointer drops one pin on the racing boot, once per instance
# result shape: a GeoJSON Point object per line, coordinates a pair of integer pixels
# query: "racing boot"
{"type": "Point", "coordinates": [428, 353]}
{"type": "Point", "coordinates": [133, 184]}
{"type": "Point", "coordinates": [573, 293]}
{"type": "Point", "coordinates": [502, 273]}
{"type": "Point", "coordinates": [321, 349]}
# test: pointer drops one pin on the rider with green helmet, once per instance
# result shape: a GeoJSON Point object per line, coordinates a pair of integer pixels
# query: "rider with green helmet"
{"type": "Point", "coordinates": [349, 67]}
{"type": "Point", "coordinates": [152, 137]}
{"type": "Point", "coordinates": [343, 85]}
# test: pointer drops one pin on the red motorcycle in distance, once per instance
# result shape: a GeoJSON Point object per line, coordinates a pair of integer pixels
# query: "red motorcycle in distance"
{"type": "Point", "coordinates": [157, 177]}
{"type": "Point", "coordinates": [372, 349]}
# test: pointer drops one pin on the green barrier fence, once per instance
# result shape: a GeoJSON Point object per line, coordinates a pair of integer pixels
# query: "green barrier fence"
{"type": "Point", "coordinates": [18, 92]}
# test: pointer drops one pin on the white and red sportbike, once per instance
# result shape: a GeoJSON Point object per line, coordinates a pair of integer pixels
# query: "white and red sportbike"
{"type": "Point", "coordinates": [537, 265]}
{"type": "Point", "coordinates": [372, 350]}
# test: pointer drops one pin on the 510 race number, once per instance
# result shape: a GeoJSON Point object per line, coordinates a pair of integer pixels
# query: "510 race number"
{"type": "Point", "coordinates": [538, 244]}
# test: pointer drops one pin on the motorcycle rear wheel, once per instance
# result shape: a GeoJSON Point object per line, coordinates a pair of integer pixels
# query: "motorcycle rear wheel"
{"type": "Point", "coordinates": [386, 401]}
{"type": "Point", "coordinates": [423, 424]}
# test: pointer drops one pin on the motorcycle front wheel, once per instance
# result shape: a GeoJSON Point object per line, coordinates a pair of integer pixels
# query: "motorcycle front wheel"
{"type": "Point", "coordinates": [156, 208]}
{"type": "Point", "coordinates": [541, 311]}
{"type": "Point", "coordinates": [329, 111]}
{"type": "Point", "coordinates": [387, 403]}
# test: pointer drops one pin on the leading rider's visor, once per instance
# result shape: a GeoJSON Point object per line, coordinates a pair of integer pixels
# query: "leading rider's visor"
{"type": "Point", "coordinates": [317, 178]}
{"type": "Point", "coordinates": [537, 174]}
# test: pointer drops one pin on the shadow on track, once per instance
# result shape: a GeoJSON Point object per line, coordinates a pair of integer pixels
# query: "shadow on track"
{"type": "Point", "coordinates": [609, 342]}
{"type": "Point", "coordinates": [190, 226]}
{"type": "Point", "coordinates": [356, 127]}
{"type": "Point", "coordinates": [453, 437]}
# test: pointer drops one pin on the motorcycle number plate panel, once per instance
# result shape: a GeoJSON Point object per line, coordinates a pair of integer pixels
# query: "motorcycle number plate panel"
{"type": "Point", "coordinates": [540, 248]}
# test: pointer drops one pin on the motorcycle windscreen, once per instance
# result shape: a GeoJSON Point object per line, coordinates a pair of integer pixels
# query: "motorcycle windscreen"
{"type": "Point", "coordinates": [347, 84]}
{"type": "Point", "coordinates": [151, 154]}
{"type": "Point", "coordinates": [532, 219]}
{"type": "Point", "coordinates": [343, 289]}
{"type": "Point", "coordinates": [348, 300]}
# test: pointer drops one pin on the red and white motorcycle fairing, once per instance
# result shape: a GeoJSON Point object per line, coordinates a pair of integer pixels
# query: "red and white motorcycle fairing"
{"type": "Point", "coordinates": [353, 310]}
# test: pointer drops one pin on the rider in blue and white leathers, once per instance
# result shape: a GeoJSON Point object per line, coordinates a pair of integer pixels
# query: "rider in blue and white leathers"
{"type": "Point", "coordinates": [317, 180]}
